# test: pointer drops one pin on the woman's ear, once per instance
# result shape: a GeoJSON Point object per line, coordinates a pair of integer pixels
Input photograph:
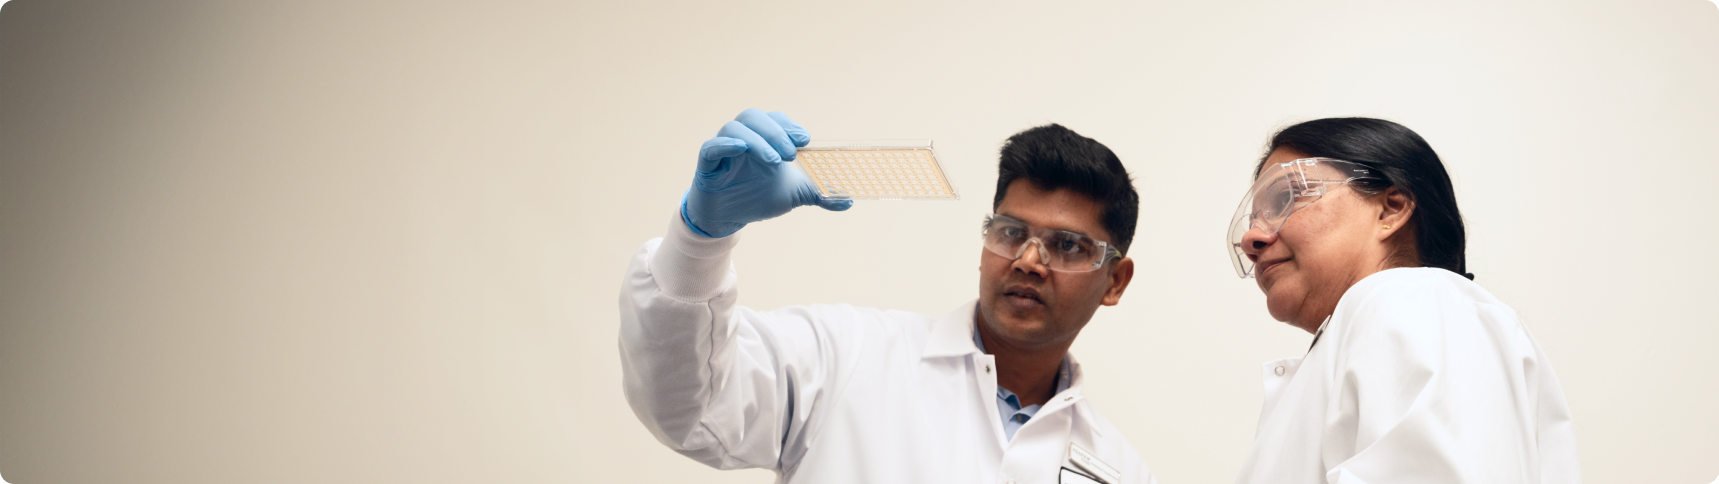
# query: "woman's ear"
{"type": "Point", "coordinates": [1395, 212]}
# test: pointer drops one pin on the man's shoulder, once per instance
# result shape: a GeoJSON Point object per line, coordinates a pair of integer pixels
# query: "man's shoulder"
{"type": "Point", "coordinates": [1101, 424]}
{"type": "Point", "coordinates": [848, 313]}
{"type": "Point", "coordinates": [844, 321]}
{"type": "Point", "coordinates": [875, 330]}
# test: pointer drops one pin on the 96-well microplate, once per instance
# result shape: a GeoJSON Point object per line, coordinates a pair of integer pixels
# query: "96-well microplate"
{"type": "Point", "coordinates": [905, 170]}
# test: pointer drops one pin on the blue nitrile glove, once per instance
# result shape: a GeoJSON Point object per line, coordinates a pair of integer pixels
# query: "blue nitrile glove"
{"type": "Point", "coordinates": [743, 175]}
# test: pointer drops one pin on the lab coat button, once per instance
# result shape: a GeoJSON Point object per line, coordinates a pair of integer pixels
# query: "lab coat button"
{"type": "Point", "coordinates": [987, 369]}
{"type": "Point", "coordinates": [1279, 370]}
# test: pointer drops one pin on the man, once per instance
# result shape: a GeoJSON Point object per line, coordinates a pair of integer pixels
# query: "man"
{"type": "Point", "coordinates": [829, 394]}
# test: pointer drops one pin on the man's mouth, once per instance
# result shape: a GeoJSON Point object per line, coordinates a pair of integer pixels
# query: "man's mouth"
{"type": "Point", "coordinates": [1023, 296]}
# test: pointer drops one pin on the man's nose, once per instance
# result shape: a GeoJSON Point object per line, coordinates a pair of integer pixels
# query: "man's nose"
{"type": "Point", "coordinates": [1255, 241]}
{"type": "Point", "coordinates": [1033, 258]}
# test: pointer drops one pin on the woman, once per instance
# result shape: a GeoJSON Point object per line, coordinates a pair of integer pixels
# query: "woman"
{"type": "Point", "coordinates": [1415, 374]}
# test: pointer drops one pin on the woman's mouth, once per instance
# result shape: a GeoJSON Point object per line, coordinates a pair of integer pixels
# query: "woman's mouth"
{"type": "Point", "coordinates": [1267, 267]}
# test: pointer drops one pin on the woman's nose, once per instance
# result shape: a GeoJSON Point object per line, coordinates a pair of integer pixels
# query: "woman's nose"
{"type": "Point", "coordinates": [1255, 241]}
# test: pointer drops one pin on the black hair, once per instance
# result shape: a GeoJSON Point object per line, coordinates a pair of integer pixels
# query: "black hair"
{"type": "Point", "coordinates": [1052, 157]}
{"type": "Point", "coordinates": [1407, 162]}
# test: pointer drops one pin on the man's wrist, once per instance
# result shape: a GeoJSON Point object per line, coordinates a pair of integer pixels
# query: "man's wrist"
{"type": "Point", "coordinates": [690, 266]}
{"type": "Point", "coordinates": [687, 218]}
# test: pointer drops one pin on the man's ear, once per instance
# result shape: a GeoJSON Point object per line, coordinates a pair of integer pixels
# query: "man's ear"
{"type": "Point", "coordinates": [1119, 278]}
{"type": "Point", "coordinates": [1395, 209]}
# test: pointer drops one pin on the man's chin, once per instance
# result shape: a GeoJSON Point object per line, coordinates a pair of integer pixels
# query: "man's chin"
{"type": "Point", "coordinates": [1017, 327]}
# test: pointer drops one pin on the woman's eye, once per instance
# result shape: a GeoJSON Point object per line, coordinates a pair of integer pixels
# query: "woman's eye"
{"type": "Point", "coordinates": [1308, 188]}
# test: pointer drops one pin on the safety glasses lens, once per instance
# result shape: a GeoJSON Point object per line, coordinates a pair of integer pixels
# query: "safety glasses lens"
{"type": "Point", "coordinates": [1280, 191]}
{"type": "Point", "coordinates": [1060, 250]}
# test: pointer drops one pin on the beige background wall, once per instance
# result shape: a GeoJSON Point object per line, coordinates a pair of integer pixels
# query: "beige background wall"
{"type": "Point", "coordinates": [381, 241]}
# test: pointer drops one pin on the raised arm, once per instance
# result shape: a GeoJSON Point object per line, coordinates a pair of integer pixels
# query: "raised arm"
{"type": "Point", "coordinates": [711, 380]}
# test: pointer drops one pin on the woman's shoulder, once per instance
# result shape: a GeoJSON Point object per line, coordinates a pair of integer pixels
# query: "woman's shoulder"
{"type": "Point", "coordinates": [1421, 300]}
{"type": "Point", "coordinates": [1411, 284]}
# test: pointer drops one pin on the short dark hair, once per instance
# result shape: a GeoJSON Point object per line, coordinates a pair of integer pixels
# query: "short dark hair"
{"type": "Point", "coordinates": [1407, 162]}
{"type": "Point", "coordinates": [1052, 157]}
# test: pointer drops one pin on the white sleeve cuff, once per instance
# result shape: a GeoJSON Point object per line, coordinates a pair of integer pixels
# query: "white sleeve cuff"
{"type": "Point", "coordinates": [692, 267]}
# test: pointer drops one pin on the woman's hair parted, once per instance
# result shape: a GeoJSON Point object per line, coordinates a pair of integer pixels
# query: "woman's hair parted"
{"type": "Point", "coordinates": [1407, 162]}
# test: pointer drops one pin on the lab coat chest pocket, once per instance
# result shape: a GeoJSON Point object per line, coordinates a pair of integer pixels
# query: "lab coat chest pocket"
{"type": "Point", "coordinates": [1039, 450]}
{"type": "Point", "coordinates": [1070, 476]}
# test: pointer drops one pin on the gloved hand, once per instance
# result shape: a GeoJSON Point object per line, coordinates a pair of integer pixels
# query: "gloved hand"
{"type": "Point", "coordinates": [743, 175]}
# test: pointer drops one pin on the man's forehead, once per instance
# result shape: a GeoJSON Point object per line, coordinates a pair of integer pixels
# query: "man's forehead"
{"type": "Point", "coordinates": [1059, 209]}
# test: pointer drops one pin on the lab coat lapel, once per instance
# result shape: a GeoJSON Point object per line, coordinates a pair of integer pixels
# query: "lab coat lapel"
{"type": "Point", "coordinates": [952, 338]}
{"type": "Point", "coordinates": [1050, 430]}
{"type": "Point", "coordinates": [1069, 397]}
{"type": "Point", "coordinates": [1060, 421]}
{"type": "Point", "coordinates": [952, 334]}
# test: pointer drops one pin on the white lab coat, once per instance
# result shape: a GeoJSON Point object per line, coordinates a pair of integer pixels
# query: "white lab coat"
{"type": "Point", "coordinates": [830, 393]}
{"type": "Point", "coordinates": [1419, 376]}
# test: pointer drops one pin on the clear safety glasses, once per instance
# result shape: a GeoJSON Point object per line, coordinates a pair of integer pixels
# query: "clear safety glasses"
{"type": "Point", "coordinates": [1061, 250]}
{"type": "Point", "coordinates": [1280, 191]}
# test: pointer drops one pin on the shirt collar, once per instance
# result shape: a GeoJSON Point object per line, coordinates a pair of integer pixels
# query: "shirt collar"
{"type": "Point", "coordinates": [1064, 374]}
{"type": "Point", "coordinates": [952, 334]}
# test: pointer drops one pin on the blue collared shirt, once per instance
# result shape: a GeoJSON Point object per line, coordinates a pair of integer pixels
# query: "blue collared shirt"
{"type": "Point", "coordinates": [1009, 404]}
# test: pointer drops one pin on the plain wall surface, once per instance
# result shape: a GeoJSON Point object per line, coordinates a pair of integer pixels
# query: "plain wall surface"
{"type": "Point", "coordinates": [382, 241]}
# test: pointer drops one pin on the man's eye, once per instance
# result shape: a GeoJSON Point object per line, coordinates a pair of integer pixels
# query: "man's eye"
{"type": "Point", "coordinates": [1070, 246]}
{"type": "Point", "coordinates": [1012, 232]}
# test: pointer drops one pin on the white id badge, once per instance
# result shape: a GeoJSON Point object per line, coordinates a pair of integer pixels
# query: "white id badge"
{"type": "Point", "coordinates": [1068, 476]}
{"type": "Point", "coordinates": [1086, 462]}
